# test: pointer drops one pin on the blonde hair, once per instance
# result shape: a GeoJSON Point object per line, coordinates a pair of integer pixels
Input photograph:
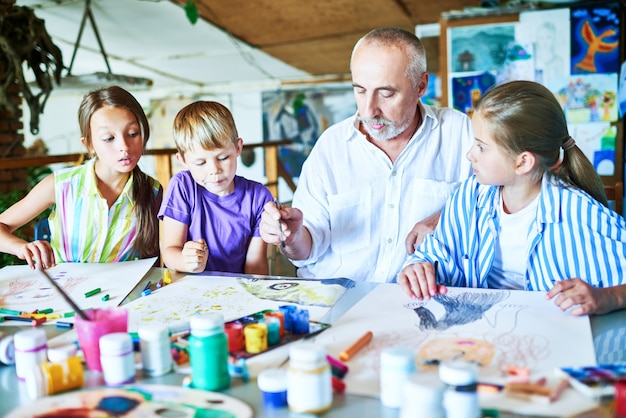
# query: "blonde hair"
{"type": "Point", "coordinates": [147, 242]}
{"type": "Point", "coordinates": [209, 125]}
{"type": "Point", "coordinates": [527, 117]}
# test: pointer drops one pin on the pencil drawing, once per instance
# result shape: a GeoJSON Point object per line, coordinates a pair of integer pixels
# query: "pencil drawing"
{"type": "Point", "coordinates": [460, 309]}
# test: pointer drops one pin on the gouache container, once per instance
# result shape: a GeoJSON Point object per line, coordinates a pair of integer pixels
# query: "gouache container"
{"type": "Point", "coordinates": [234, 332]}
{"type": "Point", "coordinates": [117, 358]}
{"type": "Point", "coordinates": [396, 365]}
{"type": "Point", "coordinates": [287, 310]}
{"type": "Point", "coordinates": [61, 352]}
{"type": "Point", "coordinates": [256, 337]}
{"type": "Point", "coordinates": [273, 330]}
{"type": "Point", "coordinates": [300, 321]}
{"type": "Point", "coordinates": [460, 399]}
{"type": "Point", "coordinates": [281, 317]}
{"type": "Point", "coordinates": [423, 396]}
{"type": "Point", "coordinates": [273, 386]}
{"type": "Point", "coordinates": [30, 350]}
{"type": "Point", "coordinates": [56, 377]}
{"type": "Point", "coordinates": [154, 342]}
{"type": "Point", "coordinates": [7, 350]}
{"type": "Point", "coordinates": [309, 383]}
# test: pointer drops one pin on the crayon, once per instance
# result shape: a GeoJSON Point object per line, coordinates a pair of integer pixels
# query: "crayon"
{"type": "Point", "coordinates": [105, 297]}
{"type": "Point", "coordinates": [349, 352]}
{"type": "Point", "coordinates": [159, 284]}
{"type": "Point", "coordinates": [93, 292]}
{"type": "Point", "coordinates": [337, 368]}
{"type": "Point", "coordinates": [69, 314]}
{"type": "Point", "coordinates": [146, 292]}
{"type": "Point", "coordinates": [61, 324]}
{"type": "Point", "coordinates": [167, 277]}
{"type": "Point", "coordinates": [338, 385]}
{"type": "Point", "coordinates": [147, 286]}
{"type": "Point", "coordinates": [45, 311]}
{"type": "Point", "coordinates": [9, 312]}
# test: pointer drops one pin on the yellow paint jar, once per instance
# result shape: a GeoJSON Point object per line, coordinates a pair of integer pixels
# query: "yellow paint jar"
{"type": "Point", "coordinates": [256, 337]}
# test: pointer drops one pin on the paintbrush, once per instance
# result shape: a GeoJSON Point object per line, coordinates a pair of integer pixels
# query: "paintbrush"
{"type": "Point", "coordinates": [66, 297]}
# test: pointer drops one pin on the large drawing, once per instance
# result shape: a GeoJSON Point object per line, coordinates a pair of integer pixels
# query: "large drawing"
{"type": "Point", "coordinates": [493, 328]}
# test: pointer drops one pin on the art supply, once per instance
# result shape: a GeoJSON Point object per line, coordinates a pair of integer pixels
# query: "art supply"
{"type": "Point", "coordinates": [594, 381]}
{"type": "Point", "coordinates": [117, 358]}
{"type": "Point", "coordinates": [422, 397]}
{"type": "Point", "coordinates": [7, 349]}
{"type": "Point", "coordinates": [300, 321]}
{"type": "Point", "coordinates": [56, 377]}
{"type": "Point", "coordinates": [280, 226]}
{"type": "Point", "coordinates": [105, 297]}
{"type": "Point", "coordinates": [93, 292]}
{"type": "Point", "coordinates": [255, 336]}
{"type": "Point", "coordinates": [167, 277]}
{"type": "Point", "coordinates": [287, 310]}
{"type": "Point", "coordinates": [148, 286]}
{"type": "Point", "coordinates": [146, 292]}
{"type": "Point", "coordinates": [61, 324]}
{"type": "Point", "coordinates": [273, 329]}
{"type": "Point", "coordinates": [396, 365]}
{"type": "Point", "coordinates": [65, 296]}
{"type": "Point", "coordinates": [208, 352]}
{"type": "Point", "coordinates": [536, 392]}
{"type": "Point", "coordinates": [349, 352]}
{"type": "Point", "coordinates": [100, 322]}
{"type": "Point", "coordinates": [337, 368]}
{"type": "Point", "coordinates": [337, 384]}
{"type": "Point", "coordinates": [156, 357]}
{"type": "Point", "coordinates": [309, 385]}
{"type": "Point", "coordinates": [460, 399]}
{"type": "Point", "coordinates": [234, 331]}
{"type": "Point", "coordinates": [30, 350]}
{"type": "Point", "coordinates": [273, 386]}
{"type": "Point", "coordinates": [281, 317]}
{"type": "Point", "coordinates": [45, 311]}
{"type": "Point", "coordinates": [60, 353]}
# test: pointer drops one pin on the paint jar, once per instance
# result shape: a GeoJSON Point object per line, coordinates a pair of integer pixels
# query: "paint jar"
{"type": "Point", "coordinates": [423, 397]}
{"type": "Point", "coordinates": [50, 378]}
{"type": "Point", "coordinates": [256, 337]}
{"type": "Point", "coordinates": [234, 332]}
{"type": "Point", "coordinates": [117, 358]}
{"type": "Point", "coordinates": [396, 365]}
{"type": "Point", "coordinates": [30, 350]}
{"type": "Point", "coordinates": [281, 317]}
{"type": "Point", "coordinates": [273, 386]}
{"type": "Point", "coordinates": [300, 321]}
{"type": "Point", "coordinates": [273, 330]}
{"type": "Point", "coordinates": [7, 350]}
{"type": "Point", "coordinates": [460, 398]}
{"type": "Point", "coordinates": [620, 398]}
{"type": "Point", "coordinates": [309, 387]}
{"type": "Point", "coordinates": [61, 353]}
{"type": "Point", "coordinates": [156, 356]}
{"type": "Point", "coordinates": [208, 352]}
{"type": "Point", "coordinates": [287, 310]}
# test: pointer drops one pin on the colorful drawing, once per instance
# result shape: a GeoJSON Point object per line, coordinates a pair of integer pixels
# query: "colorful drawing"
{"type": "Point", "coordinates": [303, 292]}
{"type": "Point", "coordinates": [587, 98]}
{"type": "Point", "coordinates": [468, 89]}
{"type": "Point", "coordinates": [480, 47]}
{"type": "Point", "coordinates": [595, 39]}
{"type": "Point", "coordinates": [136, 401]}
{"type": "Point", "coordinates": [502, 332]}
{"type": "Point", "coordinates": [597, 142]}
{"type": "Point", "coordinates": [26, 290]}
{"type": "Point", "coordinates": [518, 65]}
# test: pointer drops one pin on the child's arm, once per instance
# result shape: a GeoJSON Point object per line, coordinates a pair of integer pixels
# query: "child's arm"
{"type": "Point", "coordinates": [178, 253]}
{"type": "Point", "coordinates": [256, 257]}
{"type": "Point", "coordinates": [37, 253]}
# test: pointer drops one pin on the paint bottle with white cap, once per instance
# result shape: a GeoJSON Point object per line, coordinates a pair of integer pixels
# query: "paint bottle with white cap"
{"type": "Point", "coordinates": [117, 358]}
{"type": "Point", "coordinates": [423, 397]}
{"type": "Point", "coordinates": [30, 350]}
{"type": "Point", "coordinates": [309, 384]}
{"type": "Point", "coordinates": [50, 378]}
{"type": "Point", "coordinates": [208, 352]}
{"type": "Point", "coordinates": [156, 357]}
{"type": "Point", "coordinates": [396, 365]}
{"type": "Point", "coordinates": [460, 399]}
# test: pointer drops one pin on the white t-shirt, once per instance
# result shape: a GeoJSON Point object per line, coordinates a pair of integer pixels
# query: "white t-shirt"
{"type": "Point", "coordinates": [359, 207]}
{"type": "Point", "coordinates": [509, 265]}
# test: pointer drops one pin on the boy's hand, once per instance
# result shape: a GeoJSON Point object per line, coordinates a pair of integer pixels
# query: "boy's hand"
{"type": "Point", "coordinates": [419, 281]}
{"type": "Point", "coordinates": [195, 255]}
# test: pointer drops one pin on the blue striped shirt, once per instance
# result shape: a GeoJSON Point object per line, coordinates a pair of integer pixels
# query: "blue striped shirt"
{"type": "Point", "coordinates": [573, 236]}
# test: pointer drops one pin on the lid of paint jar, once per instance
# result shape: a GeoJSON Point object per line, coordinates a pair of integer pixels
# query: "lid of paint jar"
{"type": "Point", "coordinates": [272, 380]}
{"type": "Point", "coordinates": [61, 352]}
{"type": "Point", "coordinates": [29, 339]}
{"type": "Point", "coordinates": [400, 359]}
{"type": "Point", "coordinates": [207, 324]}
{"type": "Point", "coordinates": [156, 332]}
{"type": "Point", "coordinates": [458, 372]}
{"type": "Point", "coordinates": [306, 355]}
{"type": "Point", "coordinates": [116, 343]}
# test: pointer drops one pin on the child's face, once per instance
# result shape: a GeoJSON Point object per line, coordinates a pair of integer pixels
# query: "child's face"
{"type": "Point", "coordinates": [115, 138]}
{"type": "Point", "coordinates": [489, 161]}
{"type": "Point", "coordinates": [215, 169]}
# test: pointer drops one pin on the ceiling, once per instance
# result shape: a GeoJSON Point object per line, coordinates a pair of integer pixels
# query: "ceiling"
{"type": "Point", "coordinates": [234, 43]}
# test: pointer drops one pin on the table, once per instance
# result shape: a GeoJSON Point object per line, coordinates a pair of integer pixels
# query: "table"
{"type": "Point", "coordinates": [609, 332]}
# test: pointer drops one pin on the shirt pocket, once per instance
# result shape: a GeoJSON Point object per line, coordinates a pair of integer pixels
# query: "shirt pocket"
{"type": "Point", "coordinates": [350, 219]}
{"type": "Point", "coordinates": [428, 196]}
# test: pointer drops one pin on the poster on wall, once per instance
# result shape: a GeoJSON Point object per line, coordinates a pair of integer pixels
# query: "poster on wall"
{"type": "Point", "coordinates": [468, 89]}
{"type": "Point", "coordinates": [479, 48]}
{"type": "Point", "coordinates": [597, 142]}
{"type": "Point", "coordinates": [587, 98]}
{"type": "Point", "coordinates": [301, 116]}
{"type": "Point", "coordinates": [595, 37]}
{"type": "Point", "coordinates": [549, 33]}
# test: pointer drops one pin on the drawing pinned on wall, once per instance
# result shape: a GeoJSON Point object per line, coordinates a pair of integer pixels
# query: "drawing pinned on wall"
{"type": "Point", "coordinates": [549, 33]}
{"type": "Point", "coordinates": [495, 328]}
{"type": "Point", "coordinates": [597, 142]}
{"type": "Point", "coordinates": [587, 98]}
{"type": "Point", "coordinates": [595, 38]}
{"type": "Point", "coordinates": [468, 89]}
{"type": "Point", "coordinates": [621, 91]}
{"type": "Point", "coordinates": [26, 290]}
{"type": "Point", "coordinates": [518, 64]}
{"type": "Point", "coordinates": [479, 48]}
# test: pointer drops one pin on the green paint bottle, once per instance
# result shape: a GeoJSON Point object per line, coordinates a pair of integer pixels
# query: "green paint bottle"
{"type": "Point", "coordinates": [208, 352]}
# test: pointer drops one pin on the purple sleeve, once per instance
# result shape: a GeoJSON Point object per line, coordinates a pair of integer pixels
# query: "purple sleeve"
{"type": "Point", "coordinates": [177, 200]}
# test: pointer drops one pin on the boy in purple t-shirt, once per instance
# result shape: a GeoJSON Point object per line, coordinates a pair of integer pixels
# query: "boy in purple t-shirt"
{"type": "Point", "coordinates": [210, 215]}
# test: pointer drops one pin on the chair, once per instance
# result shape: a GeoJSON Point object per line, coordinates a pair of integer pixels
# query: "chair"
{"type": "Point", "coordinates": [42, 230]}
{"type": "Point", "coordinates": [615, 194]}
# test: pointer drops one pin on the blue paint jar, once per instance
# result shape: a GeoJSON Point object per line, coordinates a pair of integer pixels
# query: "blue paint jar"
{"type": "Point", "coordinates": [288, 310]}
{"type": "Point", "coordinates": [300, 321]}
{"type": "Point", "coordinates": [273, 386]}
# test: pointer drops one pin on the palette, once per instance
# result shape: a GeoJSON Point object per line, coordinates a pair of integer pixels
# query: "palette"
{"type": "Point", "coordinates": [137, 401]}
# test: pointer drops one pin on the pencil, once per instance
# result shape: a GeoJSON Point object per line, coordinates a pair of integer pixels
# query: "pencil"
{"type": "Point", "coordinates": [349, 352]}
